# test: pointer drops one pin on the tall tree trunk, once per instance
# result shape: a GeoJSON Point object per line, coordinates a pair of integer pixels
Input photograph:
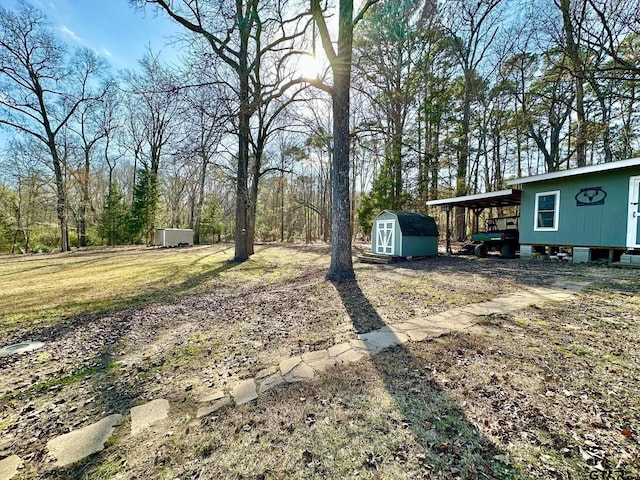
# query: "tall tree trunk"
{"type": "Point", "coordinates": [61, 197]}
{"type": "Point", "coordinates": [242, 193]}
{"type": "Point", "coordinates": [573, 51]}
{"type": "Point", "coordinates": [84, 204]}
{"type": "Point", "coordinates": [341, 267]}
{"type": "Point", "coordinates": [253, 205]}
{"type": "Point", "coordinates": [200, 201]}
{"type": "Point", "coordinates": [463, 156]}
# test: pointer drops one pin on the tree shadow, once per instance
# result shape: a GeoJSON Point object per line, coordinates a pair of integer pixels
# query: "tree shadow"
{"type": "Point", "coordinates": [452, 445]}
{"type": "Point", "coordinates": [97, 375]}
{"type": "Point", "coordinates": [48, 333]}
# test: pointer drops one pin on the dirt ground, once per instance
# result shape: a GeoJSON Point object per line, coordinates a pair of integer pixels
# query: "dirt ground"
{"type": "Point", "coordinates": [552, 391]}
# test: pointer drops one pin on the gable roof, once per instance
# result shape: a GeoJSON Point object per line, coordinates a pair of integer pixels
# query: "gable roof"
{"type": "Point", "coordinates": [602, 167]}
{"type": "Point", "coordinates": [415, 224]}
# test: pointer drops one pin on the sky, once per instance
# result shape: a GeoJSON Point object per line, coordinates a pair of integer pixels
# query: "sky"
{"type": "Point", "coordinates": [112, 28]}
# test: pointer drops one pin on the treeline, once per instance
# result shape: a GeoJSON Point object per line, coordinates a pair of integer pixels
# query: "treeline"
{"type": "Point", "coordinates": [447, 100]}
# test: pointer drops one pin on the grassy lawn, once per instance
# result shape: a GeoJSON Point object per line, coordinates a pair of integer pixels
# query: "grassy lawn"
{"type": "Point", "coordinates": [550, 391]}
{"type": "Point", "coordinates": [48, 288]}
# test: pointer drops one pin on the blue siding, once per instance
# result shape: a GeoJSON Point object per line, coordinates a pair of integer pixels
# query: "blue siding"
{"type": "Point", "coordinates": [589, 226]}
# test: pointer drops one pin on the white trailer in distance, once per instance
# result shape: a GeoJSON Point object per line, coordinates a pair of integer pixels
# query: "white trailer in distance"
{"type": "Point", "coordinates": [174, 237]}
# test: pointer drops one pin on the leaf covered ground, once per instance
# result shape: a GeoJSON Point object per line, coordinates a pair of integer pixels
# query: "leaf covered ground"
{"type": "Point", "coordinates": [551, 391]}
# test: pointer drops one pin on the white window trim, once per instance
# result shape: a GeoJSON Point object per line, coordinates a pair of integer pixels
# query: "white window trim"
{"type": "Point", "coordinates": [556, 212]}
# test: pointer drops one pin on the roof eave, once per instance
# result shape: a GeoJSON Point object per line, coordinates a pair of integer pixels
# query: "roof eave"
{"type": "Point", "coordinates": [601, 167]}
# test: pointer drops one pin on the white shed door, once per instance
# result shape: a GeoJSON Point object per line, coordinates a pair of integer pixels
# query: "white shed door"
{"type": "Point", "coordinates": [384, 236]}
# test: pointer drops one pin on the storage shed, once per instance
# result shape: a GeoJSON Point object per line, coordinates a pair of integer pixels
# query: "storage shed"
{"type": "Point", "coordinates": [588, 208]}
{"type": "Point", "coordinates": [404, 234]}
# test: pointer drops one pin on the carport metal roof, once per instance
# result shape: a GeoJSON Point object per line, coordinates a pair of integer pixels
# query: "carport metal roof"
{"type": "Point", "coordinates": [501, 198]}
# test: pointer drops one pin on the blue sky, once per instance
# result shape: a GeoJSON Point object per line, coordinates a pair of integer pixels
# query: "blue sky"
{"type": "Point", "coordinates": [111, 28]}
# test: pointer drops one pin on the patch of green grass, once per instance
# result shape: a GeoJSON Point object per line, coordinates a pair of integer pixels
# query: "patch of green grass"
{"type": "Point", "coordinates": [47, 385]}
{"type": "Point", "coordinates": [4, 424]}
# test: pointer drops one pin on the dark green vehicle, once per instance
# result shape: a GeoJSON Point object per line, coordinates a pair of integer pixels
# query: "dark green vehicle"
{"type": "Point", "coordinates": [501, 235]}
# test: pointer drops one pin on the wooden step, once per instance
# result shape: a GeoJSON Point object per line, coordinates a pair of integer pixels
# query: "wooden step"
{"type": "Point", "coordinates": [369, 257]}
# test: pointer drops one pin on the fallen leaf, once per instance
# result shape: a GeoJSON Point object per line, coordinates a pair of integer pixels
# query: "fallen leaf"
{"type": "Point", "coordinates": [627, 433]}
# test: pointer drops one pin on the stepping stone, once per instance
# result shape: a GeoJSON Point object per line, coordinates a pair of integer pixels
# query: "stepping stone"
{"type": "Point", "coordinates": [427, 322]}
{"type": "Point", "coordinates": [479, 309]}
{"type": "Point", "coordinates": [288, 364]}
{"type": "Point", "coordinates": [78, 444]}
{"type": "Point", "coordinates": [322, 364]}
{"type": "Point", "coordinates": [379, 340]}
{"type": "Point", "coordinates": [300, 373]}
{"type": "Point", "coordinates": [403, 327]}
{"type": "Point", "coordinates": [9, 467]}
{"type": "Point", "coordinates": [390, 329]}
{"type": "Point", "coordinates": [143, 416]}
{"type": "Point", "coordinates": [417, 335]}
{"type": "Point", "coordinates": [21, 347]}
{"type": "Point", "coordinates": [211, 396]}
{"type": "Point", "coordinates": [310, 357]}
{"type": "Point", "coordinates": [244, 392]}
{"type": "Point", "coordinates": [359, 345]}
{"type": "Point", "coordinates": [204, 411]}
{"type": "Point", "coordinates": [267, 372]}
{"type": "Point", "coordinates": [353, 355]}
{"type": "Point", "coordinates": [270, 382]}
{"type": "Point", "coordinates": [339, 349]}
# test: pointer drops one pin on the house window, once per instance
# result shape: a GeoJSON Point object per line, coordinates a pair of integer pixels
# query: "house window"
{"type": "Point", "coordinates": [547, 207]}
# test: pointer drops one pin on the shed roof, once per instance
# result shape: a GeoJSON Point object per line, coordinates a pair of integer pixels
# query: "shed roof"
{"type": "Point", "coordinates": [501, 198]}
{"type": "Point", "coordinates": [602, 167]}
{"type": "Point", "coordinates": [415, 224]}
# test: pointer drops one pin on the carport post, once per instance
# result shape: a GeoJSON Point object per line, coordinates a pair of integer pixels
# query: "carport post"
{"type": "Point", "coordinates": [447, 209]}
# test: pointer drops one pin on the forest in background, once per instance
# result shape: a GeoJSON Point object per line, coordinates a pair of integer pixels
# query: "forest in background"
{"type": "Point", "coordinates": [448, 98]}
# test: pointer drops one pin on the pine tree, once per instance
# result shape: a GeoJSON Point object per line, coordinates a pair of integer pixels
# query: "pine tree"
{"type": "Point", "coordinates": [112, 224]}
{"type": "Point", "coordinates": [142, 215]}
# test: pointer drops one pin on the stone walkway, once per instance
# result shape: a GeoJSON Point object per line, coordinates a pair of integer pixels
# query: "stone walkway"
{"type": "Point", "coordinates": [78, 444]}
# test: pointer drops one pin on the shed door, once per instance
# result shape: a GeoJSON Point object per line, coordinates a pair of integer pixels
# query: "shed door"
{"type": "Point", "coordinates": [633, 224]}
{"type": "Point", "coordinates": [384, 236]}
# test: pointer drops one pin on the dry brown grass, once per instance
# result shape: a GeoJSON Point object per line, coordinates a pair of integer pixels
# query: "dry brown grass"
{"type": "Point", "coordinates": [548, 392]}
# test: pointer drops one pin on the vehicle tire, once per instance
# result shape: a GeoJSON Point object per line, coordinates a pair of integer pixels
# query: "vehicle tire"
{"type": "Point", "coordinates": [481, 250]}
{"type": "Point", "coordinates": [508, 250]}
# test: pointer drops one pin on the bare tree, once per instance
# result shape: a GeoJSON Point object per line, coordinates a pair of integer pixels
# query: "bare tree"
{"type": "Point", "coordinates": [473, 26]}
{"type": "Point", "coordinates": [241, 35]}
{"type": "Point", "coordinates": [89, 126]}
{"type": "Point", "coordinates": [205, 128]}
{"type": "Point", "coordinates": [42, 88]}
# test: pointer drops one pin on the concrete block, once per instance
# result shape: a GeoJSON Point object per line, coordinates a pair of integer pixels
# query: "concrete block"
{"type": "Point", "coordinates": [526, 251]}
{"type": "Point", "coordinates": [581, 254]}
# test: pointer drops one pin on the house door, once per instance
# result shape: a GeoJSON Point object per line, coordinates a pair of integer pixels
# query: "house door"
{"type": "Point", "coordinates": [384, 236]}
{"type": "Point", "coordinates": [633, 223]}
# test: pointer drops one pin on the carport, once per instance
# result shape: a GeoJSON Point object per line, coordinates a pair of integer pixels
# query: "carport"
{"type": "Point", "coordinates": [476, 203]}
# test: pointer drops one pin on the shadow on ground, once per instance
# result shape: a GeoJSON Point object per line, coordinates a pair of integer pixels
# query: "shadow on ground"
{"type": "Point", "coordinates": [49, 333]}
{"type": "Point", "coordinates": [453, 446]}
{"type": "Point", "coordinates": [97, 374]}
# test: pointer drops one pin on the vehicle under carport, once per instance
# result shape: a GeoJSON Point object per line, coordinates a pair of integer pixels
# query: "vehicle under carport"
{"type": "Point", "coordinates": [501, 233]}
